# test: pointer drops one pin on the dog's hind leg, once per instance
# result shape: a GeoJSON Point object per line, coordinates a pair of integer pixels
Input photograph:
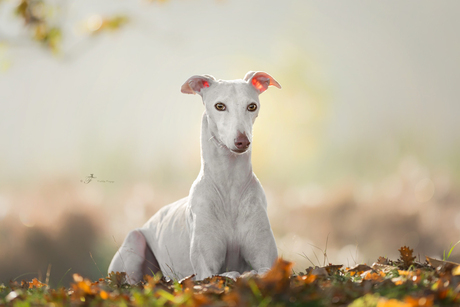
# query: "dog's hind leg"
{"type": "Point", "coordinates": [135, 258]}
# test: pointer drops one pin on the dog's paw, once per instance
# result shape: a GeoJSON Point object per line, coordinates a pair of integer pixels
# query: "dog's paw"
{"type": "Point", "coordinates": [233, 275]}
{"type": "Point", "coordinates": [263, 271]}
{"type": "Point", "coordinates": [249, 274]}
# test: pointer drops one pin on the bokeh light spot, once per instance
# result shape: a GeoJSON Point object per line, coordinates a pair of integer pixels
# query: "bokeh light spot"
{"type": "Point", "coordinates": [424, 190]}
{"type": "Point", "coordinates": [94, 23]}
{"type": "Point", "coordinates": [26, 219]}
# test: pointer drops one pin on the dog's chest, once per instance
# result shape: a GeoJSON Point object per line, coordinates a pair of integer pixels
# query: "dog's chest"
{"type": "Point", "coordinates": [230, 211]}
{"type": "Point", "coordinates": [234, 260]}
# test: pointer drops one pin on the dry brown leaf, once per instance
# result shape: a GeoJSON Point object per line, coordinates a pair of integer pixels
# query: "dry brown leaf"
{"type": "Point", "coordinates": [406, 256]}
{"type": "Point", "coordinates": [277, 278]}
{"type": "Point", "coordinates": [187, 282]}
{"type": "Point", "coordinates": [331, 268]}
{"type": "Point", "coordinates": [436, 263]}
{"type": "Point", "coordinates": [117, 278]}
{"type": "Point", "coordinates": [383, 267]}
{"type": "Point", "coordinates": [280, 270]}
{"type": "Point", "coordinates": [360, 268]}
{"type": "Point", "coordinates": [383, 260]}
{"type": "Point", "coordinates": [319, 272]}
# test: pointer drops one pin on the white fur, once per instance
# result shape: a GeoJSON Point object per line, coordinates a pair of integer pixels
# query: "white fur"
{"type": "Point", "coordinates": [222, 227]}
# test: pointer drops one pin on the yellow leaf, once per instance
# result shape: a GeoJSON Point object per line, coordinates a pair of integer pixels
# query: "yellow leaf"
{"type": "Point", "coordinates": [456, 270]}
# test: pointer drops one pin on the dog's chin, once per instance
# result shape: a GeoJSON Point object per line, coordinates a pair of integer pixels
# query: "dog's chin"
{"type": "Point", "coordinates": [239, 151]}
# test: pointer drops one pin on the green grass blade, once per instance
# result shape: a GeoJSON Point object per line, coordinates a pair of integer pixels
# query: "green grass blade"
{"type": "Point", "coordinates": [451, 250]}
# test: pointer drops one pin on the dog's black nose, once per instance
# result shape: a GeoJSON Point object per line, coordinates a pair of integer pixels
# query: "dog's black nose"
{"type": "Point", "coordinates": [242, 141]}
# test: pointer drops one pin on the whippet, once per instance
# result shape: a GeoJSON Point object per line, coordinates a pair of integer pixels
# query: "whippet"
{"type": "Point", "coordinates": [222, 227]}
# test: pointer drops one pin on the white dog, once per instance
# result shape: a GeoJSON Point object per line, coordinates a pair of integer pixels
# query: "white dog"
{"type": "Point", "coordinates": [222, 227]}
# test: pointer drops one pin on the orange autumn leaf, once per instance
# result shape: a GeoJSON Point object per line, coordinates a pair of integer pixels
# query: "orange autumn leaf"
{"type": "Point", "coordinates": [201, 300]}
{"type": "Point", "coordinates": [279, 275]}
{"type": "Point", "coordinates": [36, 284]}
{"type": "Point", "coordinates": [375, 276]}
{"type": "Point", "coordinates": [392, 303]}
{"type": "Point", "coordinates": [307, 279]}
{"type": "Point", "coordinates": [425, 301]}
{"type": "Point", "coordinates": [104, 295]}
{"type": "Point", "coordinates": [398, 282]}
{"type": "Point", "coordinates": [280, 270]}
{"type": "Point", "coordinates": [83, 287]}
{"type": "Point", "coordinates": [233, 299]}
{"type": "Point", "coordinates": [277, 279]}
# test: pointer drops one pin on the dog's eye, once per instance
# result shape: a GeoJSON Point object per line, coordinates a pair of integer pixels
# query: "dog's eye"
{"type": "Point", "coordinates": [220, 106]}
{"type": "Point", "coordinates": [252, 107]}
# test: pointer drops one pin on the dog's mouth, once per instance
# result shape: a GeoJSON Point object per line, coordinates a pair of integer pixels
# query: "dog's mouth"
{"type": "Point", "coordinates": [220, 144]}
{"type": "Point", "coordinates": [239, 151]}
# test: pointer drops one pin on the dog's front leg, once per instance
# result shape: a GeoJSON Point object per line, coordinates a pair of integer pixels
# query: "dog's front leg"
{"type": "Point", "coordinates": [258, 244]}
{"type": "Point", "coordinates": [207, 250]}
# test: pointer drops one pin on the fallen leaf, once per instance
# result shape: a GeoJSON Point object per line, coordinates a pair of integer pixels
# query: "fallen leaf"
{"type": "Point", "coordinates": [406, 256]}
{"type": "Point", "coordinates": [383, 267]}
{"type": "Point", "coordinates": [187, 282]}
{"type": "Point", "coordinates": [436, 263]}
{"type": "Point", "coordinates": [277, 279]}
{"type": "Point", "coordinates": [332, 269]}
{"type": "Point", "coordinates": [104, 295]}
{"type": "Point", "coordinates": [383, 260]}
{"type": "Point", "coordinates": [319, 272]}
{"type": "Point", "coordinates": [360, 268]}
{"type": "Point", "coordinates": [392, 303]}
{"type": "Point", "coordinates": [36, 284]}
{"type": "Point", "coordinates": [424, 301]}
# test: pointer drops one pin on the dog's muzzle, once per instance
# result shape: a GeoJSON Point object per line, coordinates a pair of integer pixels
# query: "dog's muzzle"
{"type": "Point", "coordinates": [241, 143]}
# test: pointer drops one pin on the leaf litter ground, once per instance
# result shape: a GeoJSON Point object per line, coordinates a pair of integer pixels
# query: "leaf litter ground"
{"type": "Point", "coordinates": [386, 283]}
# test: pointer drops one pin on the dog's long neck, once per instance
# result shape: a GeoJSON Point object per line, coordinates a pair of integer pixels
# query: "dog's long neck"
{"type": "Point", "coordinates": [225, 168]}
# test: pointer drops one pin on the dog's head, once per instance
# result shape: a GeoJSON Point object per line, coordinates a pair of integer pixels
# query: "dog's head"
{"type": "Point", "coordinates": [231, 106]}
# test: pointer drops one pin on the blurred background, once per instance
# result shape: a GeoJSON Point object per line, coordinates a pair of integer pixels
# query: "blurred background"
{"type": "Point", "coordinates": [359, 153]}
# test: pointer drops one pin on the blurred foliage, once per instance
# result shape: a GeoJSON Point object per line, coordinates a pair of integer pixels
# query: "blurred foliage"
{"type": "Point", "coordinates": [35, 17]}
{"type": "Point", "coordinates": [403, 282]}
{"type": "Point", "coordinates": [40, 19]}
{"type": "Point", "coordinates": [97, 24]}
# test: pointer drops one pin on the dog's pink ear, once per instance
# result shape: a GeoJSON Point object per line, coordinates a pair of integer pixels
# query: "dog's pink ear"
{"type": "Point", "coordinates": [196, 83]}
{"type": "Point", "coordinates": [260, 80]}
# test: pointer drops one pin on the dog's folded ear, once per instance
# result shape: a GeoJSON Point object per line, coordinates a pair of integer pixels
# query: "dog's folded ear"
{"type": "Point", "coordinates": [196, 83]}
{"type": "Point", "coordinates": [260, 80]}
